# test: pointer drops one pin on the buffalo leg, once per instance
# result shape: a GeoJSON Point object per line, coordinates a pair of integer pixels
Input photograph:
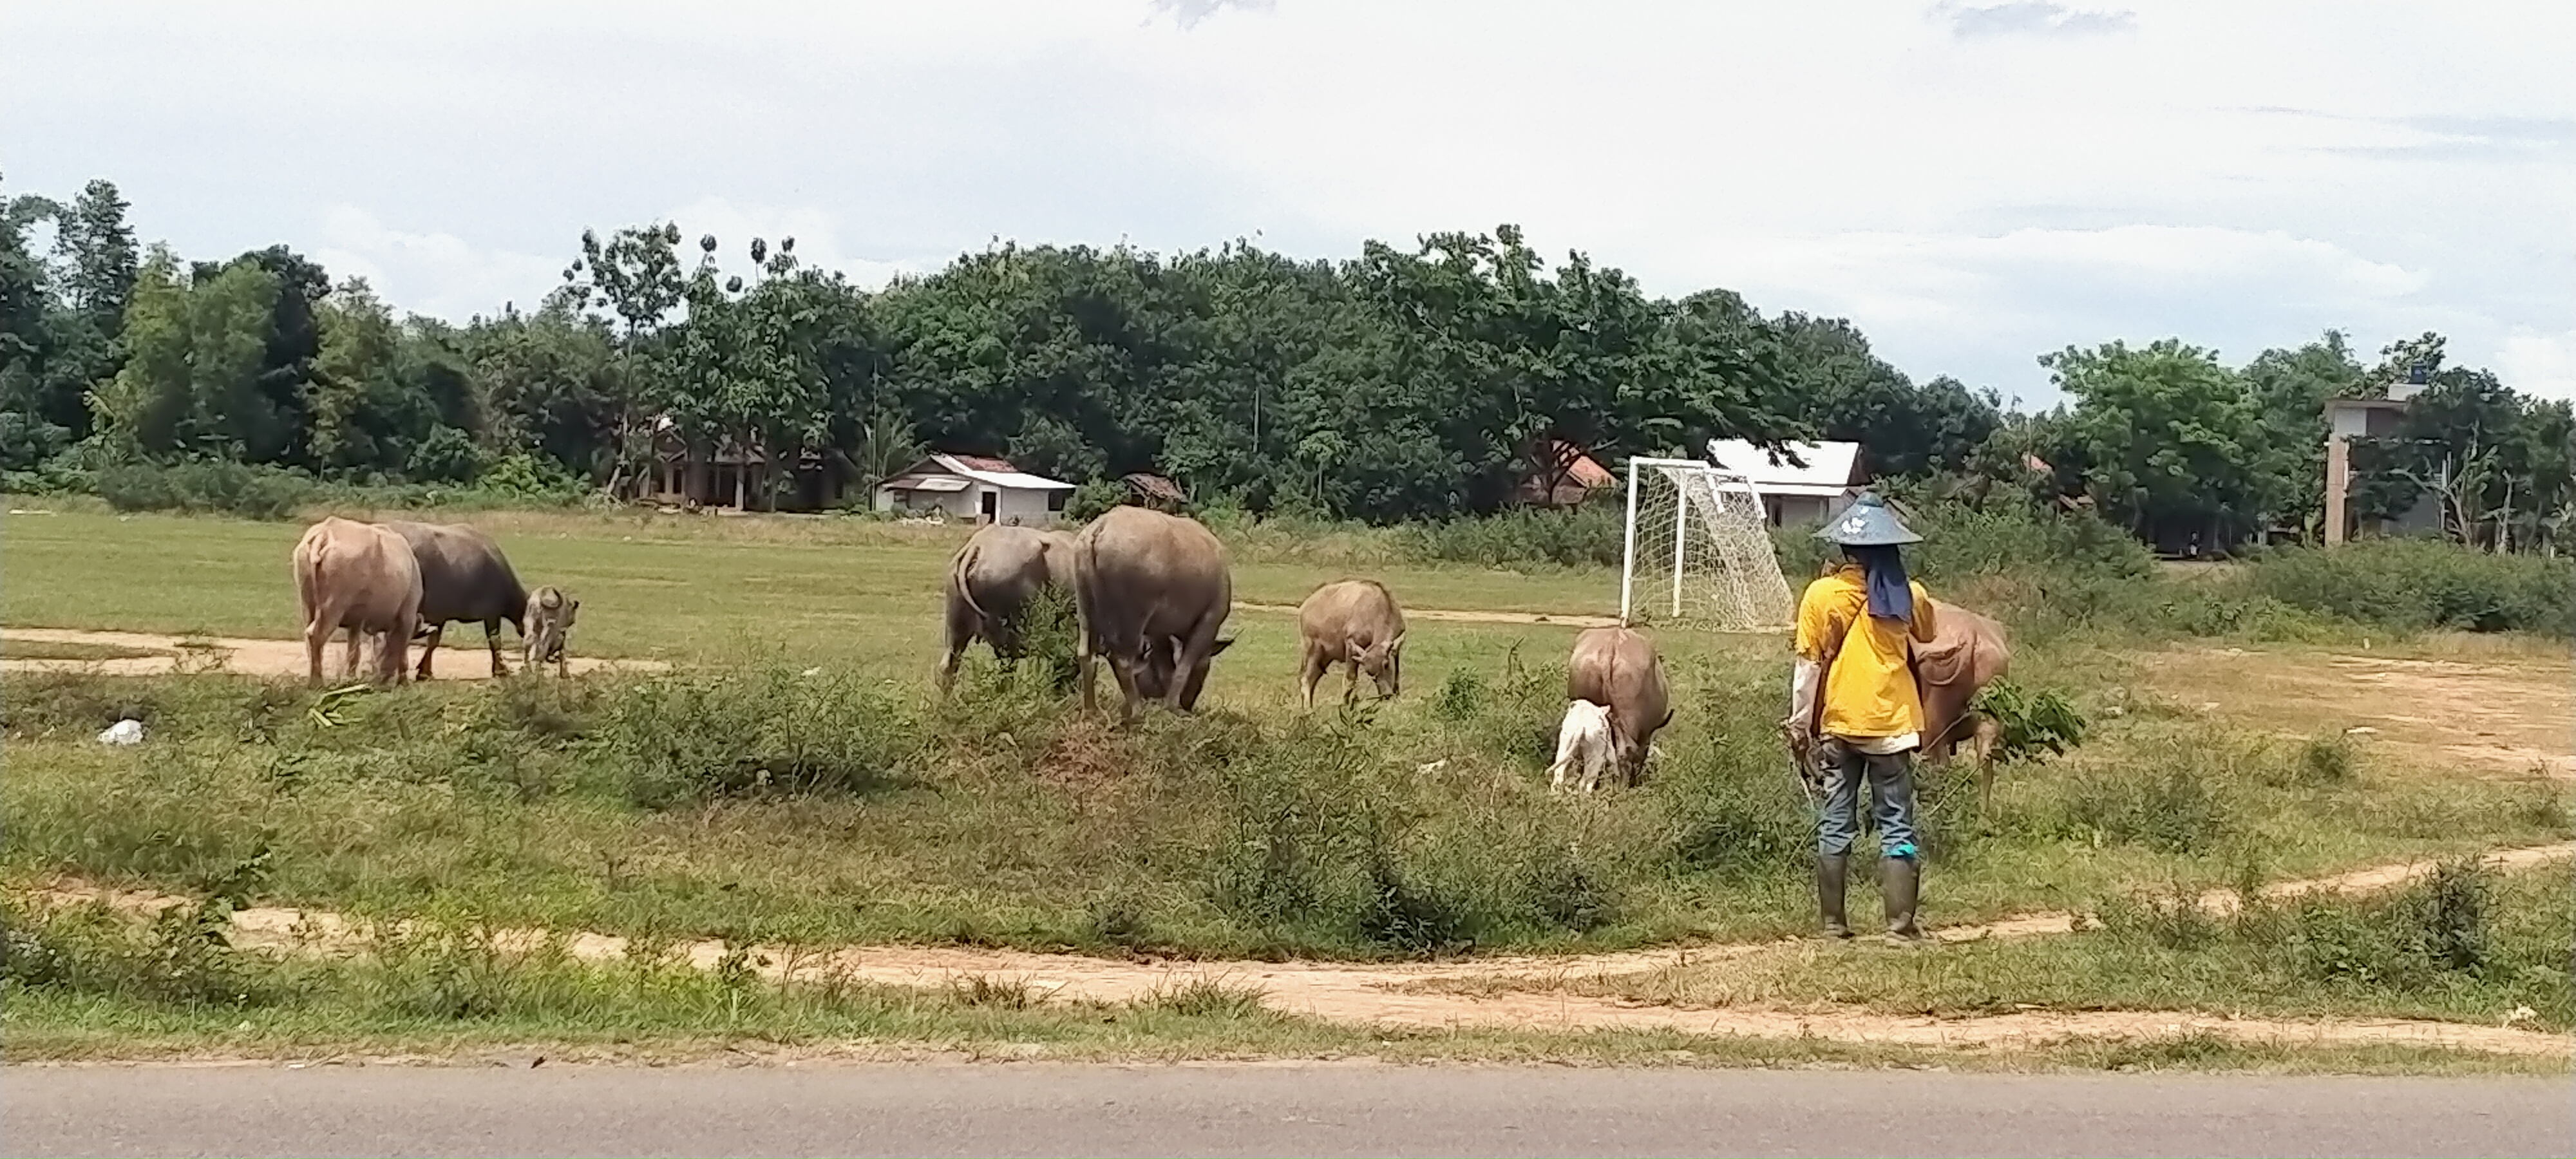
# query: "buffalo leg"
{"type": "Point", "coordinates": [963, 627]}
{"type": "Point", "coordinates": [317, 638]}
{"type": "Point", "coordinates": [429, 648]}
{"type": "Point", "coordinates": [1311, 664]}
{"type": "Point", "coordinates": [491, 641]}
{"type": "Point", "coordinates": [1190, 666]}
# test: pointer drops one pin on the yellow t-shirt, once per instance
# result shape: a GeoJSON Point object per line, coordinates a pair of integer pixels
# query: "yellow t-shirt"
{"type": "Point", "coordinates": [1869, 691]}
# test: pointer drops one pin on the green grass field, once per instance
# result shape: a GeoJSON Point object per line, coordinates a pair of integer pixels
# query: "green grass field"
{"type": "Point", "coordinates": [794, 780]}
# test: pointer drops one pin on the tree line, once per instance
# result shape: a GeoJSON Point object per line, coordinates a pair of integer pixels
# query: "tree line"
{"type": "Point", "coordinates": [1407, 383]}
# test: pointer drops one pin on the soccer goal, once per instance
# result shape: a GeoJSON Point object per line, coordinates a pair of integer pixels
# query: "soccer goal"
{"type": "Point", "coordinates": [1699, 550]}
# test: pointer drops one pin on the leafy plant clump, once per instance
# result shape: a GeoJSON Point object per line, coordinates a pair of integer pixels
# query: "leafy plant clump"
{"type": "Point", "coordinates": [2030, 723]}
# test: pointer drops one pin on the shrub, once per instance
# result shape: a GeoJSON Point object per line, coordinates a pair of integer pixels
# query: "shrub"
{"type": "Point", "coordinates": [2171, 809]}
{"type": "Point", "coordinates": [2414, 584]}
{"type": "Point", "coordinates": [766, 729]}
{"type": "Point", "coordinates": [2329, 758]}
{"type": "Point", "coordinates": [448, 455]}
{"type": "Point", "coordinates": [1588, 535]}
{"type": "Point", "coordinates": [205, 486]}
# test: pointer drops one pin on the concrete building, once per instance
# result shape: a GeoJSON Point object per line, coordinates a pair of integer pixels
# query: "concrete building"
{"type": "Point", "coordinates": [1794, 496]}
{"type": "Point", "coordinates": [2367, 418]}
{"type": "Point", "coordinates": [975, 488]}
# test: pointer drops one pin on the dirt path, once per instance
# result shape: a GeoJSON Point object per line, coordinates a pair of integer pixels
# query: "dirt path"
{"type": "Point", "coordinates": [1564, 619]}
{"type": "Point", "coordinates": [2499, 719]}
{"type": "Point", "coordinates": [1482, 992]}
{"type": "Point", "coordinates": [254, 657]}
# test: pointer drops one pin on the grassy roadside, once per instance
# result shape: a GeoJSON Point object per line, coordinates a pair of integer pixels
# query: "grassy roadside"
{"type": "Point", "coordinates": [2463, 946]}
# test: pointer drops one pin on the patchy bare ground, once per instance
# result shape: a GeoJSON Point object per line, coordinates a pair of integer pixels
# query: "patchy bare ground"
{"type": "Point", "coordinates": [2494, 718]}
{"type": "Point", "coordinates": [167, 654]}
{"type": "Point", "coordinates": [1484, 992]}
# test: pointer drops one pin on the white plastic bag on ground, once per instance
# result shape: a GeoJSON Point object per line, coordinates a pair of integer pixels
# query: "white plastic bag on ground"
{"type": "Point", "coordinates": [123, 732]}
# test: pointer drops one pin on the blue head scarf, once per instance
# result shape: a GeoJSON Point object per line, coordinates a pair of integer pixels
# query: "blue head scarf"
{"type": "Point", "coordinates": [1883, 571]}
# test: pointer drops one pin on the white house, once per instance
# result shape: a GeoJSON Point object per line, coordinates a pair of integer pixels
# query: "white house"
{"type": "Point", "coordinates": [976, 488]}
{"type": "Point", "coordinates": [1794, 495]}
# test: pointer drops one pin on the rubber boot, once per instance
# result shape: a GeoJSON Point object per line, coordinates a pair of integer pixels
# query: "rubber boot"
{"type": "Point", "coordinates": [1899, 879]}
{"type": "Point", "coordinates": [1832, 869]}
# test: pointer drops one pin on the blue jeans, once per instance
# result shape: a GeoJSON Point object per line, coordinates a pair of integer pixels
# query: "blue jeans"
{"type": "Point", "coordinates": [1891, 792]}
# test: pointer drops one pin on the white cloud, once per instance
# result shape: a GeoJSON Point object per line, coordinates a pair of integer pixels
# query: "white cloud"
{"type": "Point", "coordinates": [2033, 17]}
{"type": "Point", "coordinates": [438, 274]}
{"type": "Point", "coordinates": [1973, 182]}
{"type": "Point", "coordinates": [2536, 363]}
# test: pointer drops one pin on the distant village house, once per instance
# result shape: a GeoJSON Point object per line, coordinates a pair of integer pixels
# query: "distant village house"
{"type": "Point", "coordinates": [1564, 476]}
{"type": "Point", "coordinates": [1792, 495]}
{"type": "Point", "coordinates": [974, 488]}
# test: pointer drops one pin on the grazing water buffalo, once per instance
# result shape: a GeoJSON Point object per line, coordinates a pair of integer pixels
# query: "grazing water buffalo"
{"type": "Point", "coordinates": [547, 636]}
{"type": "Point", "coordinates": [463, 576]}
{"type": "Point", "coordinates": [1145, 581]}
{"type": "Point", "coordinates": [1353, 622]}
{"type": "Point", "coordinates": [1617, 668]}
{"type": "Point", "coordinates": [1967, 653]}
{"type": "Point", "coordinates": [357, 577]}
{"type": "Point", "coordinates": [991, 582]}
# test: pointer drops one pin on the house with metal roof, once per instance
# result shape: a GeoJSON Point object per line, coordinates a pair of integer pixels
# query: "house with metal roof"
{"type": "Point", "coordinates": [1794, 495]}
{"type": "Point", "coordinates": [974, 488]}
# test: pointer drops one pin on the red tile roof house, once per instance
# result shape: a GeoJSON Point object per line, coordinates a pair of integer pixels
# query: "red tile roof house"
{"type": "Point", "coordinates": [975, 488]}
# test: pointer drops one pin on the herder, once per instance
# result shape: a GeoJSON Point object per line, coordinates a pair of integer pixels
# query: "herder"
{"type": "Point", "coordinates": [1854, 708]}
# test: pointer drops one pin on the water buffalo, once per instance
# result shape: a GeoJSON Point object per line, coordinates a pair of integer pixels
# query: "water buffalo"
{"type": "Point", "coordinates": [463, 576]}
{"type": "Point", "coordinates": [1353, 622]}
{"type": "Point", "coordinates": [1145, 580]}
{"type": "Point", "coordinates": [547, 636]}
{"type": "Point", "coordinates": [1967, 653]}
{"type": "Point", "coordinates": [991, 582]}
{"type": "Point", "coordinates": [360, 578]}
{"type": "Point", "coordinates": [1617, 668]}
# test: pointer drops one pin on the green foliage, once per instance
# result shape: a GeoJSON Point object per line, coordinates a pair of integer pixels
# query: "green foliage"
{"type": "Point", "coordinates": [1090, 500]}
{"type": "Point", "coordinates": [206, 486]}
{"type": "Point", "coordinates": [1590, 535]}
{"type": "Point", "coordinates": [768, 729]}
{"type": "Point", "coordinates": [2031, 723]}
{"type": "Point", "coordinates": [448, 455]}
{"type": "Point", "coordinates": [2172, 805]}
{"type": "Point", "coordinates": [2412, 585]}
{"type": "Point", "coordinates": [2169, 436]}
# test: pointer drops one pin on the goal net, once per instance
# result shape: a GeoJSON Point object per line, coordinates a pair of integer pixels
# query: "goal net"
{"type": "Point", "coordinates": [1699, 550]}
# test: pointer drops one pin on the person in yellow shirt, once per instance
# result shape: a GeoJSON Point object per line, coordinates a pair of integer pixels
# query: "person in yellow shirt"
{"type": "Point", "coordinates": [1854, 709]}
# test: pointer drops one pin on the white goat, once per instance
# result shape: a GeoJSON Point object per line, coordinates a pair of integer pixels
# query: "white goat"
{"type": "Point", "coordinates": [1584, 745]}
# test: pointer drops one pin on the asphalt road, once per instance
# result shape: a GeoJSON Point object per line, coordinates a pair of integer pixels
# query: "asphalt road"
{"type": "Point", "coordinates": [1032, 1109]}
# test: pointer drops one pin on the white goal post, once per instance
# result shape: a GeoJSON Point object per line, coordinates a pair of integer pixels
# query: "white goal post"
{"type": "Point", "coordinates": [1698, 550]}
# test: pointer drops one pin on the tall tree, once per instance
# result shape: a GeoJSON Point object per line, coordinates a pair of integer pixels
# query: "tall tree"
{"type": "Point", "coordinates": [2170, 437]}
{"type": "Point", "coordinates": [101, 258]}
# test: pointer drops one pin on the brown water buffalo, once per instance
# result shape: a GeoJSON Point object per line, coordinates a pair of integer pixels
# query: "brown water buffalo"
{"type": "Point", "coordinates": [990, 583]}
{"type": "Point", "coordinates": [357, 577]}
{"type": "Point", "coordinates": [1967, 653]}
{"type": "Point", "coordinates": [1617, 667]}
{"type": "Point", "coordinates": [1353, 622]}
{"type": "Point", "coordinates": [1144, 581]}
{"type": "Point", "coordinates": [547, 635]}
{"type": "Point", "coordinates": [463, 576]}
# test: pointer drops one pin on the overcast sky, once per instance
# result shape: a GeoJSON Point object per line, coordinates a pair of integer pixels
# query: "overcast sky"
{"type": "Point", "coordinates": [1972, 183]}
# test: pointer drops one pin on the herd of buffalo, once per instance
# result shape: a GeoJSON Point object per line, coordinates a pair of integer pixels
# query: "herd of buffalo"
{"type": "Point", "coordinates": [398, 580]}
{"type": "Point", "coordinates": [1150, 591]}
